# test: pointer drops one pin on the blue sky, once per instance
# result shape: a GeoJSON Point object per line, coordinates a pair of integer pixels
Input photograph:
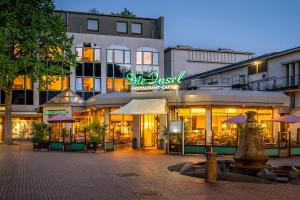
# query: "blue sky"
{"type": "Point", "coordinates": [259, 26]}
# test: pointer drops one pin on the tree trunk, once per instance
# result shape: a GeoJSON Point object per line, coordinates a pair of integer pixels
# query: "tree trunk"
{"type": "Point", "coordinates": [7, 118]}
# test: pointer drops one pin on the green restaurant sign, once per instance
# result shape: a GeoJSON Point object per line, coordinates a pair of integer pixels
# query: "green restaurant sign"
{"type": "Point", "coordinates": [56, 112]}
{"type": "Point", "coordinates": [154, 82]}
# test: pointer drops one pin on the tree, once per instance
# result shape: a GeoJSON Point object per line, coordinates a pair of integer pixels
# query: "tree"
{"type": "Point", "coordinates": [94, 10]}
{"type": "Point", "coordinates": [31, 35]}
{"type": "Point", "coordinates": [125, 13]}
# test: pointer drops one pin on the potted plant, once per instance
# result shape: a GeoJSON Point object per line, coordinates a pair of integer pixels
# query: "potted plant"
{"type": "Point", "coordinates": [41, 135]}
{"type": "Point", "coordinates": [96, 133]}
{"type": "Point", "coordinates": [37, 142]}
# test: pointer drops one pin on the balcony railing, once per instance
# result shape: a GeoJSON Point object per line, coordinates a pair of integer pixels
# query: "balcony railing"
{"type": "Point", "coordinates": [245, 83]}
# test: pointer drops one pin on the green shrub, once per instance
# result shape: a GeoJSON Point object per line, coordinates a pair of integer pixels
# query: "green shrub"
{"type": "Point", "coordinates": [37, 139]}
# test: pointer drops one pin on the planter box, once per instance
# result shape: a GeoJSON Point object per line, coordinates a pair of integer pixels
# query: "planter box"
{"type": "Point", "coordinates": [41, 146]}
{"type": "Point", "coordinates": [80, 146]}
{"type": "Point", "coordinates": [175, 148]}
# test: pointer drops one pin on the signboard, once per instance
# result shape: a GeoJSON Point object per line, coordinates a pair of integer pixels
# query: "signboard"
{"type": "Point", "coordinates": [56, 112]}
{"type": "Point", "coordinates": [175, 127]}
{"type": "Point", "coordinates": [154, 82]}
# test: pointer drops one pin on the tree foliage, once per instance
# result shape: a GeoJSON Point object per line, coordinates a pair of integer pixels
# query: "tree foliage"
{"type": "Point", "coordinates": [125, 13]}
{"type": "Point", "coordinates": [94, 11]}
{"type": "Point", "coordinates": [30, 34]}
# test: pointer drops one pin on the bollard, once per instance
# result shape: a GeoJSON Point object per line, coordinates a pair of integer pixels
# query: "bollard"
{"type": "Point", "coordinates": [211, 168]}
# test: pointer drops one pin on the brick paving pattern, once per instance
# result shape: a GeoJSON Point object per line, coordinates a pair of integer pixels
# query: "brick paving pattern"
{"type": "Point", "coordinates": [25, 174]}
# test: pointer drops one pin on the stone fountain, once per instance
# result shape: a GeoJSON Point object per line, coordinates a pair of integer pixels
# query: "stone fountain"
{"type": "Point", "coordinates": [250, 156]}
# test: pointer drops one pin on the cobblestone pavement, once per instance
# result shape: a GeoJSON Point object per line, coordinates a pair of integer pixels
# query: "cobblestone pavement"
{"type": "Point", "coordinates": [25, 174]}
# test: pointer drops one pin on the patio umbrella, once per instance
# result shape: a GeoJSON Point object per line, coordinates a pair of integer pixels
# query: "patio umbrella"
{"type": "Point", "coordinates": [239, 119]}
{"type": "Point", "coordinates": [61, 119]}
{"type": "Point", "coordinates": [288, 119]}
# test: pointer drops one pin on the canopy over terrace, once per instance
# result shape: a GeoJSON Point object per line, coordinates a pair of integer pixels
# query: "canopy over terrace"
{"type": "Point", "coordinates": [195, 97]}
{"type": "Point", "coordinates": [143, 106]}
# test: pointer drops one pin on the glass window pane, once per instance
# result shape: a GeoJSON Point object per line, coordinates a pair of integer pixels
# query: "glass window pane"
{"type": "Point", "coordinates": [79, 69]}
{"type": "Point", "coordinates": [97, 69]}
{"type": "Point", "coordinates": [88, 69]}
{"type": "Point", "coordinates": [109, 85]}
{"type": "Point", "coordinates": [121, 27]}
{"type": "Point", "coordinates": [147, 58]}
{"type": "Point", "coordinates": [119, 57]}
{"type": "Point", "coordinates": [118, 84]}
{"type": "Point", "coordinates": [97, 85]}
{"type": "Point", "coordinates": [66, 83]}
{"type": "Point", "coordinates": [155, 58]}
{"type": "Point", "coordinates": [88, 84]}
{"type": "Point", "coordinates": [19, 83]}
{"type": "Point", "coordinates": [54, 83]}
{"type": "Point", "coordinates": [79, 84]}
{"type": "Point", "coordinates": [97, 55]}
{"type": "Point", "coordinates": [118, 71]}
{"type": "Point", "coordinates": [109, 70]}
{"type": "Point", "coordinates": [139, 58]}
{"type": "Point", "coordinates": [109, 56]}
{"type": "Point", "coordinates": [79, 54]}
{"type": "Point", "coordinates": [93, 24]}
{"type": "Point", "coordinates": [88, 55]}
{"type": "Point", "coordinates": [139, 69]}
{"type": "Point", "coordinates": [136, 28]}
{"type": "Point", "coordinates": [127, 57]}
{"type": "Point", "coordinates": [28, 83]}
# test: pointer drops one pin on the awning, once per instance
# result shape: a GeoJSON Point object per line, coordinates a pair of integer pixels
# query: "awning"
{"type": "Point", "coordinates": [143, 106]}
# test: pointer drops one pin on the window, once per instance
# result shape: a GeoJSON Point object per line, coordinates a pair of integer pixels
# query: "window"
{"type": "Point", "coordinates": [93, 24]}
{"type": "Point", "coordinates": [22, 91]}
{"type": "Point", "coordinates": [136, 28]}
{"type": "Point", "coordinates": [147, 60]}
{"type": "Point", "coordinates": [122, 27]}
{"type": "Point", "coordinates": [55, 83]}
{"type": "Point", "coordinates": [19, 83]}
{"type": "Point", "coordinates": [88, 70]}
{"type": "Point", "coordinates": [79, 54]}
{"type": "Point", "coordinates": [118, 65]}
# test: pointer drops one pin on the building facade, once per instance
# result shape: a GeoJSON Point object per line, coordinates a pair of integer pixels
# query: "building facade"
{"type": "Point", "coordinates": [108, 47]}
{"type": "Point", "coordinates": [279, 71]}
{"type": "Point", "coordinates": [196, 60]}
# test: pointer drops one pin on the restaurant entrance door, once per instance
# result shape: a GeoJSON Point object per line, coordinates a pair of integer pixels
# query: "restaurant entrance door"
{"type": "Point", "coordinates": [149, 131]}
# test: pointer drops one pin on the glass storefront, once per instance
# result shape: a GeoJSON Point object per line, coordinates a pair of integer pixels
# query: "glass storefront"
{"type": "Point", "coordinates": [194, 125]}
{"type": "Point", "coordinates": [22, 127]}
{"type": "Point", "coordinates": [225, 134]}
{"type": "Point", "coordinates": [149, 130]}
{"type": "Point", "coordinates": [120, 130]}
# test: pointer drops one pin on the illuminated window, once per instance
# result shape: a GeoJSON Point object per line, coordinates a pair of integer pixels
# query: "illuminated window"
{"type": "Point", "coordinates": [79, 54]}
{"type": "Point", "coordinates": [88, 55]}
{"type": "Point", "coordinates": [118, 84]}
{"type": "Point", "coordinates": [109, 84]}
{"type": "Point", "coordinates": [88, 84]}
{"type": "Point", "coordinates": [147, 58]}
{"type": "Point", "coordinates": [97, 55]}
{"type": "Point", "coordinates": [139, 58]}
{"type": "Point", "coordinates": [54, 83]}
{"type": "Point", "coordinates": [28, 83]}
{"type": "Point", "coordinates": [66, 83]}
{"type": "Point", "coordinates": [19, 83]}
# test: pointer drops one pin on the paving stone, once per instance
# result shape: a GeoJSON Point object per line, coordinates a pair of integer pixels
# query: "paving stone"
{"type": "Point", "coordinates": [25, 174]}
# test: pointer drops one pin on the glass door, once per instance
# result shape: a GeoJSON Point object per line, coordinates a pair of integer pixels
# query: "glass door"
{"type": "Point", "coordinates": [149, 131]}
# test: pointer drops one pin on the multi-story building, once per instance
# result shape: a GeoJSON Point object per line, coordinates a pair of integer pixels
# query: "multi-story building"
{"type": "Point", "coordinates": [196, 60]}
{"type": "Point", "coordinates": [278, 71]}
{"type": "Point", "coordinates": [108, 47]}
